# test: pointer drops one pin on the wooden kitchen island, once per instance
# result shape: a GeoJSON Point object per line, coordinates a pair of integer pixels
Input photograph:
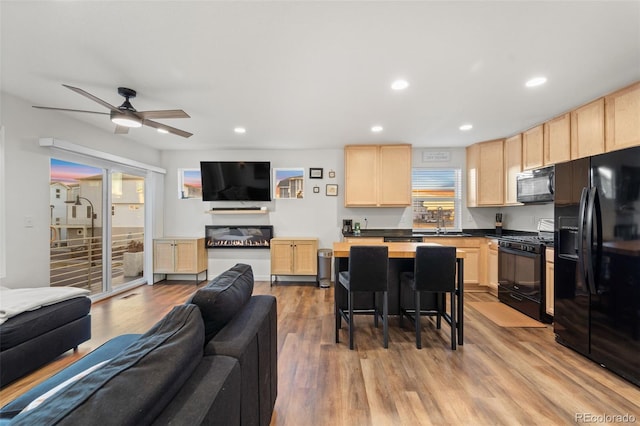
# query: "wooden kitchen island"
{"type": "Point", "coordinates": [401, 259]}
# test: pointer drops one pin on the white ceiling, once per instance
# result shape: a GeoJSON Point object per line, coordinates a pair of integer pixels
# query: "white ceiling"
{"type": "Point", "coordinates": [308, 74]}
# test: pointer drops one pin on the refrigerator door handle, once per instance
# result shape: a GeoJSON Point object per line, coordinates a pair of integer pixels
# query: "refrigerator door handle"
{"type": "Point", "coordinates": [582, 273]}
{"type": "Point", "coordinates": [593, 212]}
{"type": "Point", "coordinates": [595, 270]}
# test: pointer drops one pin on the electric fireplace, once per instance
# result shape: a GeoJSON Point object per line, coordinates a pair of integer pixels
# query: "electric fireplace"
{"type": "Point", "coordinates": [238, 236]}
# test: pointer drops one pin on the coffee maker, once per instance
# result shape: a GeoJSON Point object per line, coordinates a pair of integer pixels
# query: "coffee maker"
{"type": "Point", "coordinates": [347, 226]}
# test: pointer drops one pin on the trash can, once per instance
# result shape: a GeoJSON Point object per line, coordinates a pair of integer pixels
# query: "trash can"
{"type": "Point", "coordinates": [324, 267]}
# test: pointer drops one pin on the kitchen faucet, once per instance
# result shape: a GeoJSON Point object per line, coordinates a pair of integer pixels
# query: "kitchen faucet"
{"type": "Point", "coordinates": [440, 221]}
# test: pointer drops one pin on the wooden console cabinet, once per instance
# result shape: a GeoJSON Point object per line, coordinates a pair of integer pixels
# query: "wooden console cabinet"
{"type": "Point", "coordinates": [179, 255]}
{"type": "Point", "coordinates": [294, 256]}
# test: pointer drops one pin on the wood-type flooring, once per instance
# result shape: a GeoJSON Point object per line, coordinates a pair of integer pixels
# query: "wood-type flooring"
{"type": "Point", "coordinates": [500, 376]}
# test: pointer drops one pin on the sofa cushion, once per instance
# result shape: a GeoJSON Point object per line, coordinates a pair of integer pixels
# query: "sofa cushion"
{"type": "Point", "coordinates": [105, 352]}
{"type": "Point", "coordinates": [223, 297]}
{"type": "Point", "coordinates": [136, 385]}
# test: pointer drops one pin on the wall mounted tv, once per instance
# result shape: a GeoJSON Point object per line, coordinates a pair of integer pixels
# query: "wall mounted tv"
{"type": "Point", "coordinates": [236, 180]}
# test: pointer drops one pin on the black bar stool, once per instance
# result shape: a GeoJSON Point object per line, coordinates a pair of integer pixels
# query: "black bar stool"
{"type": "Point", "coordinates": [368, 271]}
{"type": "Point", "coordinates": [434, 272]}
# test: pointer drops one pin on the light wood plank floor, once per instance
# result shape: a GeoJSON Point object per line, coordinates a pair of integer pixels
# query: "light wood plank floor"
{"type": "Point", "coordinates": [501, 376]}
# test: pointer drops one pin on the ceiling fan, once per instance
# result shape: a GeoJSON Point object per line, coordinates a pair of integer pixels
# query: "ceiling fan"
{"type": "Point", "coordinates": [125, 116]}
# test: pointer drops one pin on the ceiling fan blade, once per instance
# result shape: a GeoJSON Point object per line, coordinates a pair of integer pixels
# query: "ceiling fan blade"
{"type": "Point", "coordinates": [71, 110]}
{"type": "Point", "coordinates": [90, 96]}
{"type": "Point", "coordinates": [167, 113]}
{"type": "Point", "coordinates": [121, 130]}
{"type": "Point", "coordinates": [169, 129]}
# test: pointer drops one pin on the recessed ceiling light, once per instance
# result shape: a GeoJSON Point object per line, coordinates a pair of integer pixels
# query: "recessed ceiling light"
{"type": "Point", "coordinates": [400, 84]}
{"type": "Point", "coordinates": [376, 129]}
{"type": "Point", "coordinates": [240, 130]}
{"type": "Point", "coordinates": [466, 127]}
{"type": "Point", "coordinates": [163, 131]}
{"type": "Point", "coordinates": [536, 81]}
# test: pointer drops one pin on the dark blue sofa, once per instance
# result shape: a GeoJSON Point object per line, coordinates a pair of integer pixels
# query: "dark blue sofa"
{"type": "Point", "coordinates": [210, 361]}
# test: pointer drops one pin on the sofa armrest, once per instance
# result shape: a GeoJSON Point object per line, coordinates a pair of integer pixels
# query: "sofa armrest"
{"type": "Point", "coordinates": [211, 396]}
{"type": "Point", "coordinates": [251, 338]}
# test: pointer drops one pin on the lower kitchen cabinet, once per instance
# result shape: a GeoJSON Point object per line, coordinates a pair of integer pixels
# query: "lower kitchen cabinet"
{"type": "Point", "coordinates": [294, 256]}
{"type": "Point", "coordinates": [471, 247]}
{"type": "Point", "coordinates": [179, 255]}
{"type": "Point", "coordinates": [492, 267]}
{"type": "Point", "coordinates": [549, 282]}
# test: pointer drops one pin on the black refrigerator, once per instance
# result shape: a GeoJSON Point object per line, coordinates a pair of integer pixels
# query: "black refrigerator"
{"type": "Point", "coordinates": [597, 259]}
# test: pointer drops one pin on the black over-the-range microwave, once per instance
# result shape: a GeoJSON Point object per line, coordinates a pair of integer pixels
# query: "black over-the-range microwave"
{"type": "Point", "coordinates": [535, 186]}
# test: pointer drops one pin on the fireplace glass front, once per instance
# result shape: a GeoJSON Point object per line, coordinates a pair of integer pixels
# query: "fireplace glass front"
{"type": "Point", "coordinates": [238, 236]}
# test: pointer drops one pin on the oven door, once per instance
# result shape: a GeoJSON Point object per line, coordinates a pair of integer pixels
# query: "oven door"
{"type": "Point", "coordinates": [520, 272]}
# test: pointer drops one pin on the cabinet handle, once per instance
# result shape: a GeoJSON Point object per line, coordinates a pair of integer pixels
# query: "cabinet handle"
{"type": "Point", "coordinates": [519, 299]}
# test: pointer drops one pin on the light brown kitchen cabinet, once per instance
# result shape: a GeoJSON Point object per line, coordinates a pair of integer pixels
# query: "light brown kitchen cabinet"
{"type": "Point", "coordinates": [363, 239]}
{"type": "Point", "coordinates": [512, 166]}
{"type": "Point", "coordinates": [533, 148]}
{"type": "Point", "coordinates": [549, 281]}
{"type": "Point", "coordinates": [492, 267]}
{"type": "Point", "coordinates": [491, 173]}
{"type": "Point", "coordinates": [377, 175]}
{"type": "Point", "coordinates": [557, 140]}
{"type": "Point", "coordinates": [485, 174]}
{"type": "Point", "coordinates": [294, 256]}
{"type": "Point", "coordinates": [179, 255]}
{"type": "Point", "coordinates": [623, 118]}
{"type": "Point", "coordinates": [472, 248]}
{"type": "Point", "coordinates": [587, 130]}
{"type": "Point", "coordinates": [473, 163]}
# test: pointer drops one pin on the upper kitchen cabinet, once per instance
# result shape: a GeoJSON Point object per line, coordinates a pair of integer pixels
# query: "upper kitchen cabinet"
{"type": "Point", "coordinates": [512, 166]}
{"type": "Point", "coordinates": [532, 148]}
{"type": "Point", "coordinates": [557, 140]}
{"type": "Point", "coordinates": [377, 175]}
{"type": "Point", "coordinates": [485, 174]}
{"type": "Point", "coordinates": [473, 154]}
{"type": "Point", "coordinates": [587, 130]}
{"type": "Point", "coordinates": [623, 118]}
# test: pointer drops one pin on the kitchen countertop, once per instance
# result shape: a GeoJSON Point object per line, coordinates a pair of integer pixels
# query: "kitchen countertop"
{"type": "Point", "coordinates": [399, 233]}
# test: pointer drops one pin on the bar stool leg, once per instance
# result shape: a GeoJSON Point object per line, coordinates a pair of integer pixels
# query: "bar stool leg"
{"type": "Point", "coordinates": [385, 318]}
{"type": "Point", "coordinates": [417, 321]}
{"type": "Point", "coordinates": [351, 320]}
{"type": "Point", "coordinates": [453, 321]}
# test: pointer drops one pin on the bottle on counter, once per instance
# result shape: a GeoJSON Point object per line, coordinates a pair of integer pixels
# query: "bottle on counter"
{"type": "Point", "coordinates": [356, 228]}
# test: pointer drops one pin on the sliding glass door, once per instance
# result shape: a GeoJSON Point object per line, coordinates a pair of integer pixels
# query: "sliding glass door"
{"type": "Point", "coordinates": [97, 226]}
{"type": "Point", "coordinates": [127, 228]}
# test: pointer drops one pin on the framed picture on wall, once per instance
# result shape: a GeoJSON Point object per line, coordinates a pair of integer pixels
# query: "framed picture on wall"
{"type": "Point", "coordinates": [288, 183]}
{"type": "Point", "coordinates": [332, 190]}
{"type": "Point", "coordinates": [315, 173]}
{"type": "Point", "coordinates": [316, 189]}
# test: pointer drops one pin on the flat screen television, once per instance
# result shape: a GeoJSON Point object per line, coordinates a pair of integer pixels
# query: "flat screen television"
{"type": "Point", "coordinates": [236, 180]}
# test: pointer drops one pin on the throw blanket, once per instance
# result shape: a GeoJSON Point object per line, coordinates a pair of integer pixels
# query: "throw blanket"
{"type": "Point", "coordinates": [14, 301]}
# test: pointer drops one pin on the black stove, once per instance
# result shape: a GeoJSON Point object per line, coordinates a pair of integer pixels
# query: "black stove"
{"type": "Point", "coordinates": [527, 243]}
{"type": "Point", "coordinates": [521, 272]}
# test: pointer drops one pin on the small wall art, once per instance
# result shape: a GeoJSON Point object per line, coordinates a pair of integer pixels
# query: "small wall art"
{"type": "Point", "coordinates": [332, 190]}
{"type": "Point", "coordinates": [332, 174]}
{"type": "Point", "coordinates": [315, 173]}
{"type": "Point", "coordinates": [316, 189]}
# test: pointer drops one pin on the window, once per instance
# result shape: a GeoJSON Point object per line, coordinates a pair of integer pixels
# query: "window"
{"type": "Point", "coordinates": [436, 198]}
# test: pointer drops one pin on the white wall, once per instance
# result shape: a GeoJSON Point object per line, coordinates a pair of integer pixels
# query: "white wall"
{"type": "Point", "coordinates": [27, 194]}
{"type": "Point", "coordinates": [27, 181]}
{"type": "Point", "coordinates": [315, 215]}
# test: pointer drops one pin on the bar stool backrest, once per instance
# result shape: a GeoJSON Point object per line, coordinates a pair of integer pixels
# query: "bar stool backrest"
{"type": "Point", "coordinates": [368, 268]}
{"type": "Point", "coordinates": [435, 268]}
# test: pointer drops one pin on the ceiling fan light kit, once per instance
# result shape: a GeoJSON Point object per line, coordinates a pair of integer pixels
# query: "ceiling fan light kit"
{"type": "Point", "coordinates": [125, 120]}
{"type": "Point", "coordinates": [125, 116]}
